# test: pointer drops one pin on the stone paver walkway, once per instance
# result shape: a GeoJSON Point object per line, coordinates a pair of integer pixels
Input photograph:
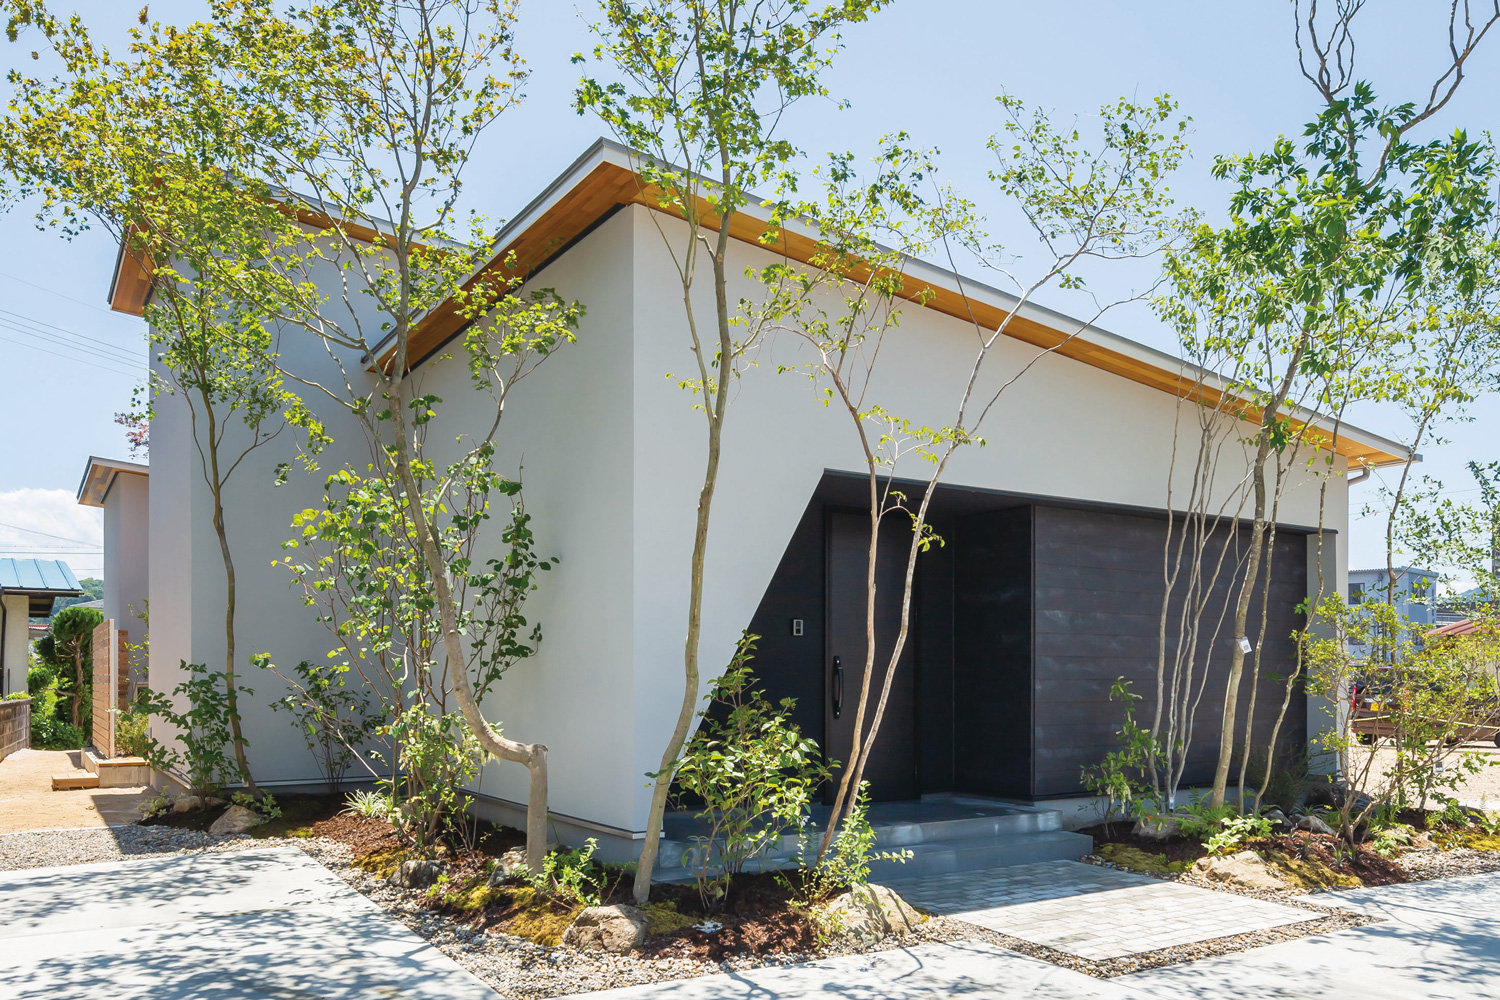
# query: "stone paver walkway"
{"type": "Point", "coordinates": [1092, 912]}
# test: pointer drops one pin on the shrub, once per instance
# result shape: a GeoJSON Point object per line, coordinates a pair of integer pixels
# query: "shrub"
{"type": "Point", "coordinates": [332, 717]}
{"type": "Point", "coordinates": [131, 736]}
{"type": "Point", "coordinates": [203, 730]}
{"type": "Point", "coordinates": [569, 875]}
{"type": "Point", "coordinates": [847, 863]}
{"type": "Point", "coordinates": [754, 771]}
{"type": "Point", "coordinates": [438, 754]}
{"type": "Point", "coordinates": [367, 803]}
{"type": "Point", "coordinates": [54, 734]}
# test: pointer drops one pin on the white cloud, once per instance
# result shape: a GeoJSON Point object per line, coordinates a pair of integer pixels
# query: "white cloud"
{"type": "Point", "coordinates": [51, 524]}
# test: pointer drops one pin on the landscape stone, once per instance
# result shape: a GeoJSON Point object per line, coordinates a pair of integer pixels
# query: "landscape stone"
{"type": "Point", "coordinates": [1314, 825]}
{"type": "Point", "coordinates": [186, 803]}
{"type": "Point", "coordinates": [867, 914]}
{"type": "Point", "coordinates": [1245, 870]}
{"type": "Point", "coordinates": [616, 929]}
{"type": "Point", "coordinates": [1157, 827]}
{"type": "Point", "coordinates": [1275, 817]}
{"type": "Point", "coordinates": [236, 819]}
{"type": "Point", "coordinates": [417, 874]}
{"type": "Point", "coordinates": [507, 866]}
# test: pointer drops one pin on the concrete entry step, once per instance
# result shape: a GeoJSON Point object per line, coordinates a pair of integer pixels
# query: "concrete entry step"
{"type": "Point", "coordinates": [946, 857]}
{"type": "Point", "coordinates": [78, 779]}
{"type": "Point", "coordinates": [945, 833]}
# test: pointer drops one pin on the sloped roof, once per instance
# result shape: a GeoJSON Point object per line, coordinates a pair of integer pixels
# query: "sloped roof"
{"type": "Point", "coordinates": [50, 577]}
{"type": "Point", "coordinates": [99, 475]}
{"type": "Point", "coordinates": [607, 177]}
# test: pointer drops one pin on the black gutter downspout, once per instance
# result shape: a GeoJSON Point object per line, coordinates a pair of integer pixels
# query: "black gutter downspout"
{"type": "Point", "coordinates": [4, 677]}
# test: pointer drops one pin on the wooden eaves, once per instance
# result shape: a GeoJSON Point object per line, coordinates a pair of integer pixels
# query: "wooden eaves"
{"type": "Point", "coordinates": [605, 179]}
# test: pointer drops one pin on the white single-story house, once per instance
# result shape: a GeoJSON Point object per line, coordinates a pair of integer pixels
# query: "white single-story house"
{"type": "Point", "coordinates": [28, 589]}
{"type": "Point", "coordinates": [1047, 589]}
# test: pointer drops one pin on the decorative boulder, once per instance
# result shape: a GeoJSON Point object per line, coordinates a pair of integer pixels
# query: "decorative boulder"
{"type": "Point", "coordinates": [870, 913]}
{"type": "Point", "coordinates": [615, 929]}
{"type": "Point", "coordinates": [418, 874]}
{"type": "Point", "coordinates": [236, 819]}
{"type": "Point", "coordinates": [1275, 817]}
{"type": "Point", "coordinates": [1245, 870]}
{"type": "Point", "coordinates": [187, 803]}
{"type": "Point", "coordinates": [1314, 825]}
{"type": "Point", "coordinates": [1156, 827]}
{"type": "Point", "coordinates": [508, 868]}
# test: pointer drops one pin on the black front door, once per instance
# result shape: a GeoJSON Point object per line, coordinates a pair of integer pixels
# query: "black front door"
{"type": "Point", "coordinates": [892, 766]}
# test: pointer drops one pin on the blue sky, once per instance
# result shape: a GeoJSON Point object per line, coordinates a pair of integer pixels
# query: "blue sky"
{"type": "Point", "coordinates": [930, 68]}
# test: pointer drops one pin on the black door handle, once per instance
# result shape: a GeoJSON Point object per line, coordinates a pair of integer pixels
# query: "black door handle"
{"type": "Point", "coordinates": [838, 687]}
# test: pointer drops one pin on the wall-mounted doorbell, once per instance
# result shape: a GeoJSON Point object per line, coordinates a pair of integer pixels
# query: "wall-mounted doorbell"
{"type": "Point", "coordinates": [796, 626]}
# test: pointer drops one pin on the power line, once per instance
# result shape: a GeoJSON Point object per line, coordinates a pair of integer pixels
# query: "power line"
{"type": "Point", "coordinates": [33, 327]}
{"type": "Point", "coordinates": [88, 352]}
{"type": "Point", "coordinates": [66, 357]}
{"type": "Point", "coordinates": [49, 291]}
{"type": "Point", "coordinates": [107, 353]}
{"type": "Point", "coordinates": [64, 330]}
{"type": "Point", "coordinates": [34, 531]}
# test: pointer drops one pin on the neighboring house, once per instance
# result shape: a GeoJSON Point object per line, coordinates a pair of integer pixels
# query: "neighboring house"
{"type": "Point", "coordinates": [1415, 593]}
{"type": "Point", "coordinates": [1415, 598]}
{"type": "Point", "coordinates": [27, 589]}
{"type": "Point", "coordinates": [1048, 587]}
{"type": "Point", "coordinates": [123, 490]}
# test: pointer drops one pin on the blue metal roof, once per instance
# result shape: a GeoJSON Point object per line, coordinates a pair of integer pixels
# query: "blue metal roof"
{"type": "Point", "coordinates": [32, 576]}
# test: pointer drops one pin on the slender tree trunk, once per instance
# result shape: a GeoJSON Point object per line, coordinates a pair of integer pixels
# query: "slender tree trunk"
{"type": "Point", "coordinates": [1263, 450]}
{"type": "Point", "coordinates": [231, 691]}
{"type": "Point", "coordinates": [715, 413]}
{"type": "Point", "coordinates": [533, 755]}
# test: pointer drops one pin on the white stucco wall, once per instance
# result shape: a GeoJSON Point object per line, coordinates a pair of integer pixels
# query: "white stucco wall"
{"type": "Point", "coordinates": [17, 643]}
{"type": "Point", "coordinates": [613, 456]}
{"type": "Point", "coordinates": [127, 556]}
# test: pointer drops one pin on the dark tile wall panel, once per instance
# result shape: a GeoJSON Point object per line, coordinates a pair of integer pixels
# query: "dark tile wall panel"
{"type": "Point", "coordinates": [1099, 585]}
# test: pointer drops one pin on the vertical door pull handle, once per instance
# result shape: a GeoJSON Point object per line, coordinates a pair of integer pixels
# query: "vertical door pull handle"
{"type": "Point", "coordinates": [838, 687]}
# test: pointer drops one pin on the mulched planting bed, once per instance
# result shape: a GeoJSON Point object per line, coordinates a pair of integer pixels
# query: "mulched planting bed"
{"type": "Point", "coordinates": [299, 814]}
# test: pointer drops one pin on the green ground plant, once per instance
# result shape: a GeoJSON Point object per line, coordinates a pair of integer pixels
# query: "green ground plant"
{"type": "Point", "coordinates": [200, 753]}
{"type": "Point", "coordinates": [752, 769]}
{"type": "Point", "coordinates": [333, 717]}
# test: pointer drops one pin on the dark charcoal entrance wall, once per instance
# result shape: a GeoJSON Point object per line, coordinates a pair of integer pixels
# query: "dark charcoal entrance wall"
{"type": "Point", "coordinates": [1021, 623]}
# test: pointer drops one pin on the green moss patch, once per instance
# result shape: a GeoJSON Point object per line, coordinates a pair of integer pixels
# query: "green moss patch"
{"type": "Point", "coordinates": [538, 918]}
{"type": "Point", "coordinates": [470, 897]}
{"type": "Point", "coordinates": [663, 918]}
{"type": "Point", "coordinates": [1307, 873]}
{"type": "Point", "coordinates": [384, 862]}
{"type": "Point", "coordinates": [1140, 861]}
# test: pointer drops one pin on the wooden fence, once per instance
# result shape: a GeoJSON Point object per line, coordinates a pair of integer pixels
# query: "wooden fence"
{"type": "Point", "coordinates": [15, 726]}
{"type": "Point", "coordinates": [111, 674]}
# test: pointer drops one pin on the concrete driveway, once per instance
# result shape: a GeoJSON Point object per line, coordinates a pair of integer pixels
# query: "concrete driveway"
{"type": "Point", "coordinates": [1440, 941]}
{"type": "Point", "coordinates": [265, 924]}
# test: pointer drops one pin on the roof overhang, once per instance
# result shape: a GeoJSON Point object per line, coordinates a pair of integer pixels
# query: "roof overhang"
{"type": "Point", "coordinates": [38, 580]}
{"type": "Point", "coordinates": [607, 177]}
{"type": "Point", "coordinates": [100, 475]}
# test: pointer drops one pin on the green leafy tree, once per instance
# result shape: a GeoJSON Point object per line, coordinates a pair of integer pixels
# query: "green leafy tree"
{"type": "Point", "coordinates": [1085, 205]}
{"type": "Point", "coordinates": [153, 149]}
{"type": "Point", "coordinates": [376, 109]}
{"type": "Point", "coordinates": [698, 89]}
{"type": "Point", "coordinates": [1328, 244]}
{"type": "Point", "coordinates": [68, 651]}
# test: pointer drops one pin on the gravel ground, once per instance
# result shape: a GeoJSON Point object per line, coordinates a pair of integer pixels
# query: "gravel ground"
{"type": "Point", "coordinates": [49, 848]}
{"type": "Point", "coordinates": [1477, 791]}
{"type": "Point", "coordinates": [518, 968]}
